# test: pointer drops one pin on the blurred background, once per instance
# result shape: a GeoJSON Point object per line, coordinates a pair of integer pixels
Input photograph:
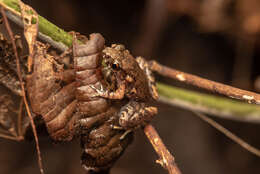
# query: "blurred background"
{"type": "Point", "coordinates": [215, 39]}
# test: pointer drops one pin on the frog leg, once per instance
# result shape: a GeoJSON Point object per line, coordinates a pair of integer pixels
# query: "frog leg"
{"type": "Point", "coordinates": [118, 94]}
{"type": "Point", "coordinates": [135, 114]}
{"type": "Point", "coordinates": [143, 64]}
{"type": "Point", "coordinates": [115, 127]}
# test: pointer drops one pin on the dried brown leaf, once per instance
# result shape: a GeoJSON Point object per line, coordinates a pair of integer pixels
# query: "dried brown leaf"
{"type": "Point", "coordinates": [11, 35]}
{"type": "Point", "coordinates": [30, 21]}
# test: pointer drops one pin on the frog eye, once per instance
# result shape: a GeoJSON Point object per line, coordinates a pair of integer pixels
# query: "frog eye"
{"type": "Point", "coordinates": [115, 66]}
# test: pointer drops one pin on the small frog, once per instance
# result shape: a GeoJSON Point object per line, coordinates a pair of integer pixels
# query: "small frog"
{"type": "Point", "coordinates": [101, 143]}
{"type": "Point", "coordinates": [130, 79]}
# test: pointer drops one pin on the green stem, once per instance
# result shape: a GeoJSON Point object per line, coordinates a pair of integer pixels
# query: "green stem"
{"type": "Point", "coordinates": [218, 106]}
{"type": "Point", "coordinates": [45, 27]}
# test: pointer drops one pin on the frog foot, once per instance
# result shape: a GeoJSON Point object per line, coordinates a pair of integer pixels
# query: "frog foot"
{"type": "Point", "coordinates": [121, 128]}
{"type": "Point", "coordinates": [135, 114]}
{"type": "Point", "coordinates": [144, 65]}
{"type": "Point", "coordinates": [117, 127]}
{"type": "Point", "coordinates": [99, 92]}
{"type": "Point", "coordinates": [125, 134]}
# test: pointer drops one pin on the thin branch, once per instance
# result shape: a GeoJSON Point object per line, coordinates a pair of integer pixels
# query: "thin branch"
{"type": "Point", "coordinates": [23, 89]}
{"type": "Point", "coordinates": [8, 137]}
{"type": "Point", "coordinates": [190, 79]}
{"type": "Point", "coordinates": [217, 106]}
{"type": "Point", "coordinates": [229, 134]}
{"type": "Point", "coordinates": [166, 160]}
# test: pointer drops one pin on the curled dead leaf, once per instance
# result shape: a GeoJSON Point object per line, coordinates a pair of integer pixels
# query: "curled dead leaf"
{"type": "Point", "coordinates": [30, 21]}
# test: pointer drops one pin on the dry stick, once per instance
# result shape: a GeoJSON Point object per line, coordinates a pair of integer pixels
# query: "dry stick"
{"type": "Point", "coordinates": [229, 134]}
{"type": "Point", "coordinates": [10, 137]}
{"type": "Point", "coordinates": [226, 90]}
{"type": "Point", "coordinates": [23, 89]}
{"type": "Point", "coordinates": [216, 87]}
{"type": "Point", "coordinates": [166, 160]}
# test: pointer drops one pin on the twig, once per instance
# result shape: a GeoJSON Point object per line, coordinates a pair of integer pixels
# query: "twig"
{"type": "Point", "coordinates": [166, 160]}
{"type": "Point", "coordinates": [218, 106]}
{"type": "Point", "coordinates": [23, 89]}
{"type": "Point", "coordinates": [226, 90]}
{"type": "Point", "coordinates": [8, 137]}
{"type": "Point", "coordinates": [229, 134]}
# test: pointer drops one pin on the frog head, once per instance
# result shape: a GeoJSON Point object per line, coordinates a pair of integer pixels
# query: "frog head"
{"type": "Point", "coordinates": [117, 63]}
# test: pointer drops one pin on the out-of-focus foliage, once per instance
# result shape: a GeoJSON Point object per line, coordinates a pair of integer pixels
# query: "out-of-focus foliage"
{"type": "Point", "coordinates": [220, 15]}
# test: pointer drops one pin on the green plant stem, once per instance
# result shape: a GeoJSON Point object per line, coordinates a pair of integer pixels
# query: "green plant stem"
{"type": "Point", "coordinates": [214, 105]}
{"type": "Point", "coordinates": [218, 106]}
{"type": "Point", "coordinates": [47, 29]}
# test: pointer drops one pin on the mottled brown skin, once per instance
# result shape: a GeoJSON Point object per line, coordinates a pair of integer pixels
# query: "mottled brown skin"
{"type": "Point", "coordinates": [125, 71]}
{"type": "Point", "coordinates": [101, 143]}
{"type": "Point", "coordinates": [131, 79]}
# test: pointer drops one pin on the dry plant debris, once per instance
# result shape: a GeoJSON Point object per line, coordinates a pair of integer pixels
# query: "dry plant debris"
{"type": "Point", "coordinates": [22, 87]}
{"type": "Point", "coordinates": [216, 87]}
